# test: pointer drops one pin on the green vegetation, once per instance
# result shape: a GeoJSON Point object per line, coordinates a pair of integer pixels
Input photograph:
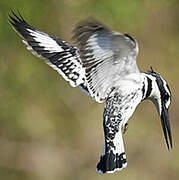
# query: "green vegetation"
{"type": "Point", "coordinates": [49, 130]}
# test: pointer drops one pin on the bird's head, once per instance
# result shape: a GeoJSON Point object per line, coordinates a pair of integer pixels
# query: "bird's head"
{"type": "Point", "coordinates": [160, 95]}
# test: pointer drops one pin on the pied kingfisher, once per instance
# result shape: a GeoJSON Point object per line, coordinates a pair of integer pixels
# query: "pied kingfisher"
{"type": "Point", "coordinates": [104, 66]}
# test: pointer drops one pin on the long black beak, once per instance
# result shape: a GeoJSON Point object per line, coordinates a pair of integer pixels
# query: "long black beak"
{"type": "Point", "coordinates": [165, 121]}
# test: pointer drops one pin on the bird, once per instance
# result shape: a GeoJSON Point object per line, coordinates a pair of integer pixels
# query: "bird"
{"type": "Point", "coordinates": [103, 65]}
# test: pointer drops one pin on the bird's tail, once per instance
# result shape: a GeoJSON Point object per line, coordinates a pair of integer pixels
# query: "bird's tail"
{"type": "Point", "coordinates": [113, 157]}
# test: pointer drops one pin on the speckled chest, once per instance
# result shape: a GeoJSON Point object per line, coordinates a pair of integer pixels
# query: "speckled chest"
{"type": "Point", "coordinates": [121, 104]}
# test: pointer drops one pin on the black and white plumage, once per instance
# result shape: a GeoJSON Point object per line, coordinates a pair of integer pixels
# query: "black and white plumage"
{"type": "Point", "coordinates": [105, 67]}
{"type": "Point", "coordinates": [101, 50]}
{"type": "Point", "coordinates": [62, 57]}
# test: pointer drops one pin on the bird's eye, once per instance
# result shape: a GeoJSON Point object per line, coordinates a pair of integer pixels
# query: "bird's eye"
{"type": "Point", "coordinates": [166, 96]}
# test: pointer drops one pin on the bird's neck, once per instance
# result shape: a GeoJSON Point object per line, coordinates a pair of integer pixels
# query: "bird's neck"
{"type": "Point", "coordinates": [148, 87]}
{"type": "Point", "coordinates": [140, 84]}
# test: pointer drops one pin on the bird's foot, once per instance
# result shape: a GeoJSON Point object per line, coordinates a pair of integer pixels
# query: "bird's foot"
{"type": "Point", "coordinates": [125, 128]}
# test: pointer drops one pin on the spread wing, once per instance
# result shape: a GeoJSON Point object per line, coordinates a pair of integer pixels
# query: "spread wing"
{"type": "Point", "coordinates": [106, 55]}
{"type": "Point", "coordinates": [58, 54]}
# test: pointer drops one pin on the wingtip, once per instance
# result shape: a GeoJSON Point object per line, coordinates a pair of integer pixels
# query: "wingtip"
{"type": "Point", "coordinates": [13, 18]}
{"type": "Point", "coordinates": [86, 27]}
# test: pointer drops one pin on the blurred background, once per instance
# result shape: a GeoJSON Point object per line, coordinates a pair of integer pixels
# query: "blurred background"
{"type": "Point", "coordinates": [49, 130]}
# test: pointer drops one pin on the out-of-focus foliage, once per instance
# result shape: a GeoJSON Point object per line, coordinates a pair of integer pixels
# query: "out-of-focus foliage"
{"type": "Point", "coordinates": [49, 130]}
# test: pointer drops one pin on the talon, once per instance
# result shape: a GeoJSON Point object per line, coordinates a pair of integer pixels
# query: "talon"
{"type": "Point", "coordinates": [125, 128]}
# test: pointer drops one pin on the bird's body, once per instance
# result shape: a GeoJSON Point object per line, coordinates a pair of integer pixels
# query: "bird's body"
{"type": "Point", "coordinates": [104, 67]}
{"type": "Point", "coordinates": [120, 105]}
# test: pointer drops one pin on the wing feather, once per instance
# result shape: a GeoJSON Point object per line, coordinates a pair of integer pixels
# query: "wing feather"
{"type": "Point", "coordinates": [106, 55]}
{"type": "Point", "coordinates": [58, 54]}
